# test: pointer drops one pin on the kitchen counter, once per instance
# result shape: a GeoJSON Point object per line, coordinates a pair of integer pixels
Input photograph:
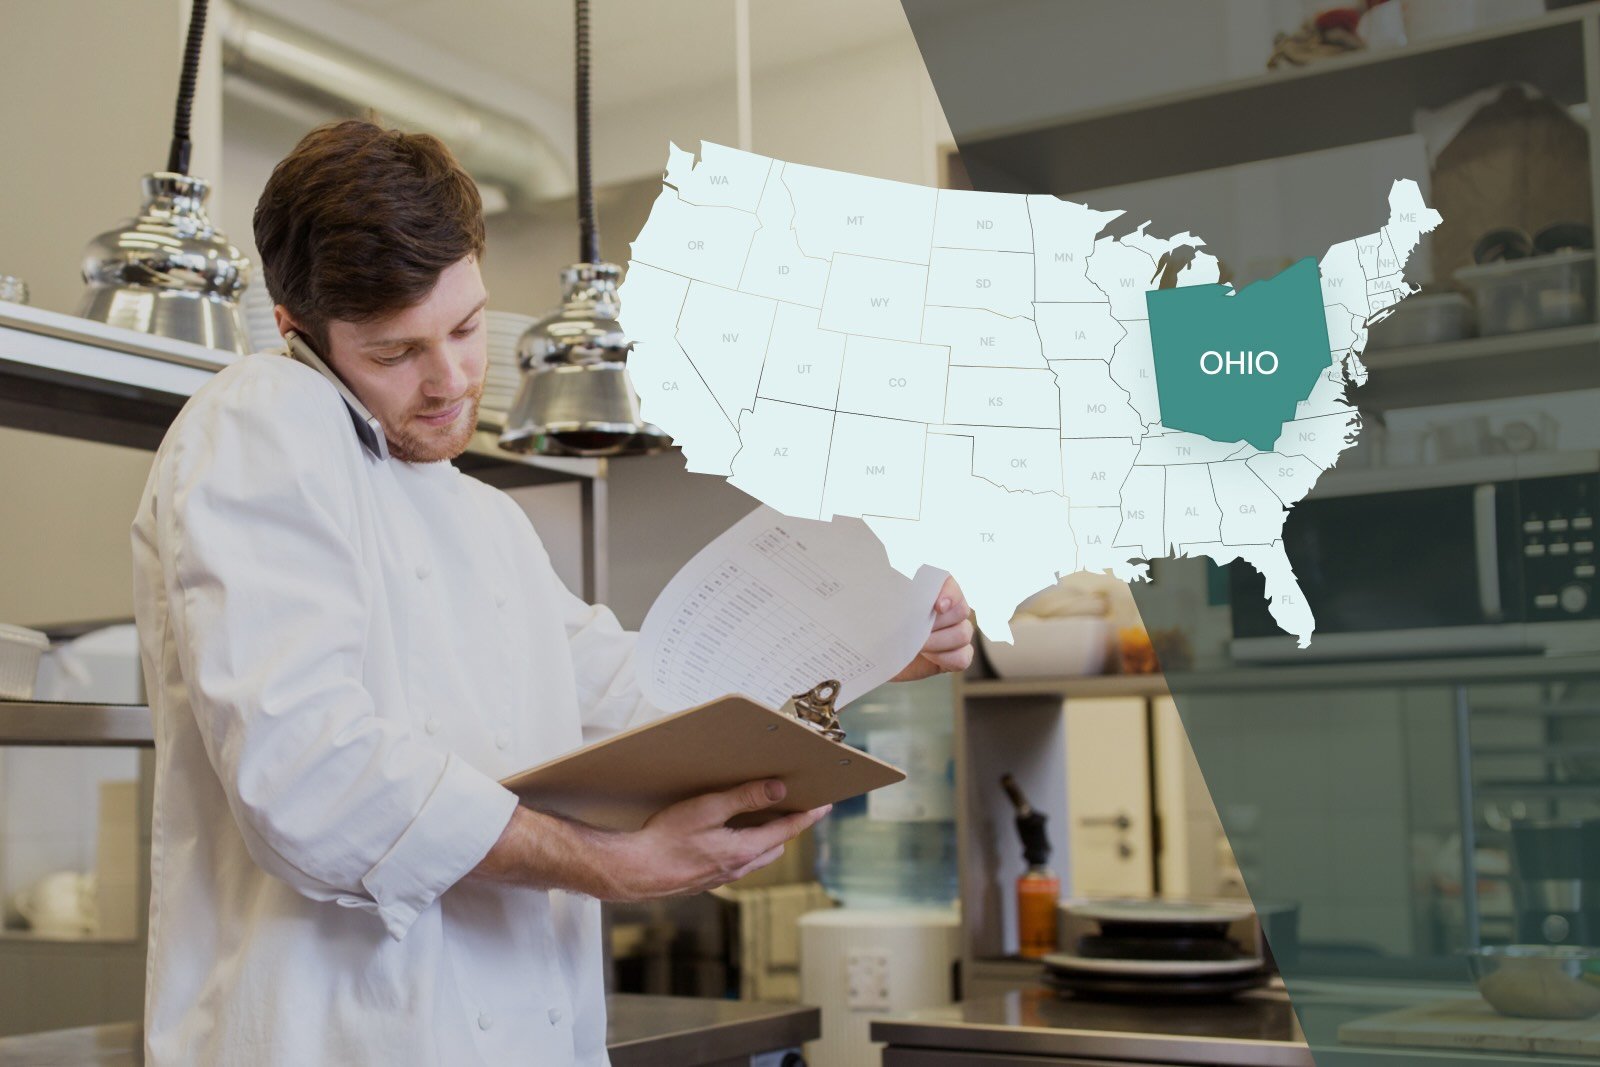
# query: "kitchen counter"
{"type": "Point", "coordinates": [1033, 1027]}
{"type": "Point", "coordinates": [650, 1031]}
{"type": "Point", "coordinates": [1255, 1030]}
{"type": "Point", "coordinates": [686, 1031]}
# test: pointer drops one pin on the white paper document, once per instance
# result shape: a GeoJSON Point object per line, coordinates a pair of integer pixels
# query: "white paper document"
{"type": "Point", "coordinates": [776, 605]}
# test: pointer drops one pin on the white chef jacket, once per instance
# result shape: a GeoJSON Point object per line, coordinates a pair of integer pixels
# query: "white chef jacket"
{"type": "Point", "coordinates": [343, 654]}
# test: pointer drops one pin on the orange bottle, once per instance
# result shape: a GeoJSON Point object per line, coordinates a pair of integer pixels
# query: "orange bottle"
{"type": "Point", "coordinates": [1039, 889]}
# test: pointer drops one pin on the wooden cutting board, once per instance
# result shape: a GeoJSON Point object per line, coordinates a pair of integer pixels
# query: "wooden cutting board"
{"type": "Point", "coordinates": [1473, 1024]}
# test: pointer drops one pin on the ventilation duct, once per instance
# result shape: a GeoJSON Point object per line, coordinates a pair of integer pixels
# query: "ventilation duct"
{"type": "Point", "coordinates": [494, 147]}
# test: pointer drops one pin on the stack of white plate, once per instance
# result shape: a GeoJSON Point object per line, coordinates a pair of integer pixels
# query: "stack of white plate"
{"type": "Point", "coordinates": [1156, 949]}
{"type": "Point", "coordinates": [259, 325]}
{"type": "Point", "coordinates": [500, 385]}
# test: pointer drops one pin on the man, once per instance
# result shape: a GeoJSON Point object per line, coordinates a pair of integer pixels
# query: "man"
{"type": "Point", "coordinates": [344, 652]}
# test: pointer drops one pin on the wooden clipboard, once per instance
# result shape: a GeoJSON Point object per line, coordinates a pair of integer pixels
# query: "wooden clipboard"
{"type": "Point", "coordinates": [620, 782]}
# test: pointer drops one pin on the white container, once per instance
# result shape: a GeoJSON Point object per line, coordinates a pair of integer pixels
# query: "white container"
{"type": "Point", "coordinates": [1537, 293]}
{"type": "Point", "coordinates": [20, 649]}
{"type": "Point", "coordinates": [1427, 20]}
{"type": "Point", "coordinates": [100, 667]}
{"type": "Point", "coordinates": [1052, 648]}
{"type": "Point", "coordinates": [61, 904]}
{"type": "Point", "coordinates": [858, 964]}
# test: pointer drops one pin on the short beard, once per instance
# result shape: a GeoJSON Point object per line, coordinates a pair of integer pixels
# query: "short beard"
{"type": "Point", "coordinates": [410, 446]}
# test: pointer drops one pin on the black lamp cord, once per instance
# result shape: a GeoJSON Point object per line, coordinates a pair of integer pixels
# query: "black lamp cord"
{"type": "Point", "coordinates": [588, 232]}
{"type": "Point", "coordinates": [178, 155]}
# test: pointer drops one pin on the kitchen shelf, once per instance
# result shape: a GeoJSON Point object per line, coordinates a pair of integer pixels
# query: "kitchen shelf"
{"type": "Point", "coordinates": [1459, 670]}
{"type": "Point", "coordinates": [1363, 97]}
{"type": "Point", "coordinates": [1482, 368]}
{"type": "Point", "coordinates": [55, 724]}
{"type": "Point", "coordinates": [1544, 752]}
{"type": "Point", "coordinates": [86, 940]}
{"type": "Point", "coordinates": [1541, 710]}
{"type": "Point", "coordinates": [1348, 100]}
{"type": "Point", "coordinates": [1228, 677]}
{"type": "Point", "coordinates": [71, 377]}
{"type": "Point", "coordinates": [1085, 686]}
{"type": "Point", "coordinates": [1542, 790]}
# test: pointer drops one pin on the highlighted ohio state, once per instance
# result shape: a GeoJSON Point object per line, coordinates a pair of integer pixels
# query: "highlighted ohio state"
{"type": "Point", "coordinates": [1231, 366]}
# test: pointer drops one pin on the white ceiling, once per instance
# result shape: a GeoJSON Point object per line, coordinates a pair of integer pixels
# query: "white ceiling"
{"type": "Point", "coordinates": [639, 48]}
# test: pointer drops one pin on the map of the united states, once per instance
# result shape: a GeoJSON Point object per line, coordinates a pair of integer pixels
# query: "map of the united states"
{"type": "Point", "coordinates": [992, 386]}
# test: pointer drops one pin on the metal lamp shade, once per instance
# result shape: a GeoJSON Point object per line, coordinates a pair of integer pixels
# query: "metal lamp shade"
{"type": "Point", "coordinates": [575, 398]}
{"type": "Point", "coordinates": [168, 271]}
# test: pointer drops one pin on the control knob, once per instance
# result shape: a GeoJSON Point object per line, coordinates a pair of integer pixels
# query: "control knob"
{"type": "Point", "coordinates": [1574, 598]}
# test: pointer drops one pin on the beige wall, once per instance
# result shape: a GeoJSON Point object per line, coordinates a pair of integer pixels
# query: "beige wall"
{"type": "Point", "coordinates": [86, 93]}
{"type": "Point", "coordinates": [68, 504]}
{"type": "Point", "coordinates": [869, 111]}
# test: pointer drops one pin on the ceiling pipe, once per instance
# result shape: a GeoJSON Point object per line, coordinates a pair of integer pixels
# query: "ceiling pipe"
{"type": "Point", "coordinates": [492, 146]}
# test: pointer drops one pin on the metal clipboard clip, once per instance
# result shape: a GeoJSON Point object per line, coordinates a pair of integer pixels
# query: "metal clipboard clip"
{"type": "Point", "coordinates": [815, 709]}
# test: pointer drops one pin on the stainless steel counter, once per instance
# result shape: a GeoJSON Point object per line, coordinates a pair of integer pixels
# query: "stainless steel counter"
{"type": "Point", "coordinates": [1033, 1027]}
{"type": "Point", "coordinates": [651, 1031]}
{"type": "Point", "coordinates": [1257, 1030]}
{"type": "Point", "coordinates": [643, 1032]}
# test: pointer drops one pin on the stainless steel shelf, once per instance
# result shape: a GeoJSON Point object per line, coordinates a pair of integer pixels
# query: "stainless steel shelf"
{"type": "Point", "coordinates": [1452, 671]}
{"type": "Point", "coordinates": [70, 377]}
{"type": "Point", "coordinates": [43, 723]}
{"type": "Point", "coordinates": [1482, 368]}
{"type": "Point", "coordinates": [1548, 753]}
{"type": "Point", "coordinates": [1087, 686]}
{"type": "Point", "coordinates": [1538, 710]}
{"type": "Point", "coordinates": [1363, 97]}
{"type": "Point", "coordinates": [89, 942]}
{"type": "Point", "coordinates": [1545, 790]}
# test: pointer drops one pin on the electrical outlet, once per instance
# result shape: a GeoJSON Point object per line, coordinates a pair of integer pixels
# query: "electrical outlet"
{"type": "Point", "coordinates": [866, 975]}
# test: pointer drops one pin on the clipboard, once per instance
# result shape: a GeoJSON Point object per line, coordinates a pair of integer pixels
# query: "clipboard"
{"type": "Point", "coordinates": [618, 783]}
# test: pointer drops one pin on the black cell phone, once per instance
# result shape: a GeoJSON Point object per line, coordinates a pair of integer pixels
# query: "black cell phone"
{"type": "Point", "coordinates": [368, 428]}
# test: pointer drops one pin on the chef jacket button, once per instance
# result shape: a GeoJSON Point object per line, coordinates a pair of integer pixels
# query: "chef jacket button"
{"type": "Point", "coordinates": [423, 570]}
{"type": "Point", "coordinates": [502, 740]}
{"type": "Point", "coordinates": [432, 726]}
{"type": "Point", "coordinates": [500, 598]}
{"type": "Point", "coordinates": [485, 1020]}
{"type": "Point", "coordinates": [555, 1016]}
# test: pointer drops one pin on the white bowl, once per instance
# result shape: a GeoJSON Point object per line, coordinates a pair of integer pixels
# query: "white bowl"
{"type": "Point", "coordinates": [1052, 648]}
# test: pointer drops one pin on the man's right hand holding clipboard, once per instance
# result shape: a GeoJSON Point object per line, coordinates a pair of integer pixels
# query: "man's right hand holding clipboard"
{"type": "Point", "coordinates": [686, 848]}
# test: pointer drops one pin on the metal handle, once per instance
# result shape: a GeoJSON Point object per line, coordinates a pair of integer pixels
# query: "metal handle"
{"type": "Point", "coordinates": [1120, 820]}
{"type": "Point", "coordinates": [1486, 530]}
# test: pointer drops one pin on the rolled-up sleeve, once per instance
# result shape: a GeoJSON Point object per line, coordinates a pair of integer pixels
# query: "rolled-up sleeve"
{"type": "Point", "coordinates": [269, 605]}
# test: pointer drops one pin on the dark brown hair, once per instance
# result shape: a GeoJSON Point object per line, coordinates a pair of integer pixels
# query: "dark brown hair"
{"type": "Point", "coordinates": [359, 221]}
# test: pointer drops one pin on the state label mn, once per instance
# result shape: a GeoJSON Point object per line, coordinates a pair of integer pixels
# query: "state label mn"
{"type": "Point", "coordinates": [1231, 366]}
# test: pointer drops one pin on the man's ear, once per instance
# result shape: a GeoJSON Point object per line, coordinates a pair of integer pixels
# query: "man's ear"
{"type": "Point", "coordinates": [285, 322]}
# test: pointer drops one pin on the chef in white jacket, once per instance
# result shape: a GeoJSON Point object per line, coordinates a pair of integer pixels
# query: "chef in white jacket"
{"type": "Point", "coordinates": [346, 643]}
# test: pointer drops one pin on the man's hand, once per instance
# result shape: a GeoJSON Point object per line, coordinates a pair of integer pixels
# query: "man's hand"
{"type": "Point", "coordinates": [949, 646]}
{"type": "Point", "coordinates": [686, 848]}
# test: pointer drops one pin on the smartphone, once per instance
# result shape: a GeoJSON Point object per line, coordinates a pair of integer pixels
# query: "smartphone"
{"type": "Point", "coordinates": [367, 426]}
